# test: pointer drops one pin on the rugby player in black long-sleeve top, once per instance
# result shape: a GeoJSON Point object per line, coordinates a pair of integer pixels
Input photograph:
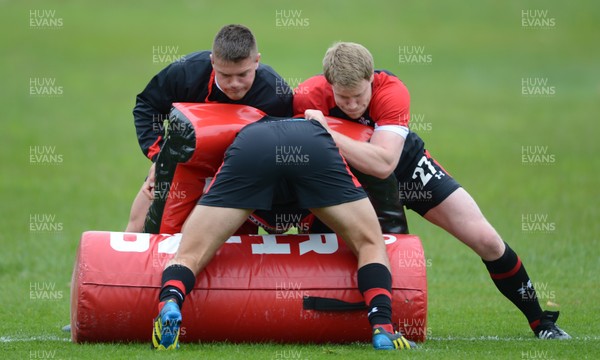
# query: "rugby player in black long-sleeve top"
{"type": "Point", "coordinates": [231, 73]}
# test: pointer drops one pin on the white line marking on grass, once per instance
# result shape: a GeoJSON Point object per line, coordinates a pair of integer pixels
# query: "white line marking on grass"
{"type": "Point", "coordinates": [7, 339]}
{"type": "Point", "coordinates": [497, 338]}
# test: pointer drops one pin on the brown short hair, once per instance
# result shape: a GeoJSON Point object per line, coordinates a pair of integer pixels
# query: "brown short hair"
{"type": "Point", "coordinates": [347, 63]}
{"type": "Point", "coordinates": [234, 43]}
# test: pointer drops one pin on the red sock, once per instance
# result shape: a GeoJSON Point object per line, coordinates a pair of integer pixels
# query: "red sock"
{"type": "Point", "coordinates": [387, 327]}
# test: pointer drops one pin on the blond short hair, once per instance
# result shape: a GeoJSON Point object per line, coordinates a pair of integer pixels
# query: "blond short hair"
{"type": "Point", "coordinates": [346, 64]}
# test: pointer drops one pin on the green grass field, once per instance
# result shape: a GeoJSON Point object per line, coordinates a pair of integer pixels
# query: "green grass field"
{"type": "Point", "coordinates": [504, 93]}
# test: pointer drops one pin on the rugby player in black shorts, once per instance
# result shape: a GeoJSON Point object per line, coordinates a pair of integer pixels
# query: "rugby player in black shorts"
{"type": "Point", "coordinates": [351, 89]}
{"type": "Point", "coordinates": [301, 155]}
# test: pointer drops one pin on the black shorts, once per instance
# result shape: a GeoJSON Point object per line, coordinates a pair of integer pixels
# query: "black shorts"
{"type": "Point", "coordinates": [422, 182]}
{"type": "Point", "coordinates": [293, 156]}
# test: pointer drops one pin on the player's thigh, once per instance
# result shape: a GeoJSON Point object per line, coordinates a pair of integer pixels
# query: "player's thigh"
{"type": "Point", "coordinates": [357, 224]}
{"type": "Point", "coordinates": [455, 211]}
{"type": "Point", "coordinates": [460, 215]}
{"type": "Point", "coordinates": [355, 221]}
{"type": "Point", "coordinates": [206, 229]}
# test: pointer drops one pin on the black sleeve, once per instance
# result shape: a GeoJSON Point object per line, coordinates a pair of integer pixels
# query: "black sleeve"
{"type": "Point", "coordinates": [285, 105]}
{"type": "Point", "coordinates": [153, 105]}
{"type": "Point", "coordinates": [275, 97]}
{"type": "Point", "coordinates": [282, 104]}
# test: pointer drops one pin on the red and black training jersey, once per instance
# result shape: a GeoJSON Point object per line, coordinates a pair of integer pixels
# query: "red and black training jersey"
{"type": "Point", "coordinates": [390, 101]}
{"type": "Point", "coordinates": [191, 79]}
{"type": "Point", "coordinates": [389, 106]}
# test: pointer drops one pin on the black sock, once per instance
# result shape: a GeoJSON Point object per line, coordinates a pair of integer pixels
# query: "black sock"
{"type": "Point", "coordinates": [177, 282]}
{"type": "Point", "coordinates": [510, 277]}
{"type": "Point", "coordinates": [375, 283]}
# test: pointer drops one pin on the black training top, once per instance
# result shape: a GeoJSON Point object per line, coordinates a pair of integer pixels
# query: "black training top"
{"type": "Point", "coordinates": [191, 79]}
